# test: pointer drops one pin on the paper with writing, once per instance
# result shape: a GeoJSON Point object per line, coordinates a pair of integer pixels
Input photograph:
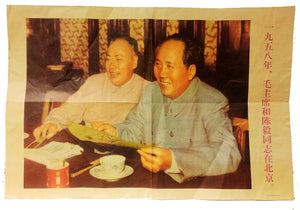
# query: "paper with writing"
{"type": "Point", "coordinates": [53, 150]}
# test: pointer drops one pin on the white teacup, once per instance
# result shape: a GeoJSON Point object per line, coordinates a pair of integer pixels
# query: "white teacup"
{"type": "Point", "coordinates": [113, 164]}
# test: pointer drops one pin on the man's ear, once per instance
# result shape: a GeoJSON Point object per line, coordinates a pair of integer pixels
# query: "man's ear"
{"type": "Point", "coordinates": [192, 71]}
{"type": "Point", "coordinates": [135, 61]}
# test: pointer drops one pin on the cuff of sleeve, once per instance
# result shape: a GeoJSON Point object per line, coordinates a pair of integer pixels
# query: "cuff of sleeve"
{"type": "Point", "coordinates": [174, 167]}
{"type": "Point", "coordinates": [59, 127]}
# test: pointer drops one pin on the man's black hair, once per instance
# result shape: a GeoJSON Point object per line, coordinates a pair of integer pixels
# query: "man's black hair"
{"type": "Point", "coordinates": [191, 54]}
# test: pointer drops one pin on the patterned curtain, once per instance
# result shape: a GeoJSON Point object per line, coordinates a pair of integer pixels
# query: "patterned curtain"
{"type": "Point", "coordinates": [103, 43]}
{"type": "Point", "coordinates": [137, 32]}
{"type": "Point", "coordinates": [211, 41]}
{"type": "Point", "coordinates": [215, 37]}
{"type": "Point", "coordinates": [172, 27]}
{"type": "Point", "coordinates": [74, 42]}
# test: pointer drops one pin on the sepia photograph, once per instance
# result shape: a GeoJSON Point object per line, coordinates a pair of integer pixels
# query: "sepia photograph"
{"type": "Point", "coordinates": [137, 103]}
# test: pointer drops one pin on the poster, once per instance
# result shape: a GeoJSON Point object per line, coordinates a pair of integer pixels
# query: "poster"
{"type": "Point", "coordinates": [254, 33]}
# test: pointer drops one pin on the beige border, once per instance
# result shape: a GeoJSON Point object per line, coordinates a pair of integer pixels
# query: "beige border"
{"type": "Point", "coordinates": [261, 18]}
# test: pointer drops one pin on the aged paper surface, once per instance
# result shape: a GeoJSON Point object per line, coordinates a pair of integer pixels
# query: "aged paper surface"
{"type": "Point", "coordinates": [270, 44]}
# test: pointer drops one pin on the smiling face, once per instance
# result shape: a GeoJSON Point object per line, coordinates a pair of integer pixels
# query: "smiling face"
{"type": "Point", "coordinates": [120, 62]}
{"type": "Point", "coordinates": [172, 75]}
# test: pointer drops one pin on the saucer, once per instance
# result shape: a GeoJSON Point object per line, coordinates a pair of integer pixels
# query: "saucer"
{"type": "Point", "coordinates": [98, 173]}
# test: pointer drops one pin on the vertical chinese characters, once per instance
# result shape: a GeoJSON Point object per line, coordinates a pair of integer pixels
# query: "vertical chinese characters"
{"type": "Point", "coordinates": [267, 132]}
{"type": "Point", "coordinates": [266, 120]}
{"type": "Point", "coordinates": [268, 51]}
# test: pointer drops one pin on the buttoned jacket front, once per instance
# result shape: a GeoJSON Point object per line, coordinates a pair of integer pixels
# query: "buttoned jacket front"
{"type": "Point", "coordinates": [194, 126]}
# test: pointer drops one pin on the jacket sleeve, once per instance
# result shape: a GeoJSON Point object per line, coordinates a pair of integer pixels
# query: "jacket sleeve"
{"type": "Point", "coordinates": [69, 112]}
{"type": "Point", "coordinates": [72, 110]}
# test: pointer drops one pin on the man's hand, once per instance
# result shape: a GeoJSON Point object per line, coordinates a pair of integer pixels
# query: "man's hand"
{"type": "Point", "coordinates": [46, 130]}
{"type": "Point", "coordinates": [156, 159]}
{"type": "Point", "coordinates": [105, 127]}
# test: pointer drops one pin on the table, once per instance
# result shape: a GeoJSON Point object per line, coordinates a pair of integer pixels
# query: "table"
{"type": "Point", "coordinates": [35, 173]}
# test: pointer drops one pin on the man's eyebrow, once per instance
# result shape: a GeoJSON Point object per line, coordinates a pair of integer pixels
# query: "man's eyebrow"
{"type": "Point", "coordinates": [117, 55]}
{"type": "Point", "coordinates": [170, 62]}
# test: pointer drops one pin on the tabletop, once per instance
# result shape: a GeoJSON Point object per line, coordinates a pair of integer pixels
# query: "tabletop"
{"type": "Point", "coordinates": [35, 173]}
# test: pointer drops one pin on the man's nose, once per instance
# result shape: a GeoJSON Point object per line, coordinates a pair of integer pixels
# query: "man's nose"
{"type": "Point", "coordinates": [112, 63]}
{"type": "Point", "coordinates": [163, 71]}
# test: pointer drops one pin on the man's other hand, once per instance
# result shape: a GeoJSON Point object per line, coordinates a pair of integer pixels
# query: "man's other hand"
{"type": "Point", "coordinates": [105, 127]}
{"type": "Point", "coordinates": [46, 130]}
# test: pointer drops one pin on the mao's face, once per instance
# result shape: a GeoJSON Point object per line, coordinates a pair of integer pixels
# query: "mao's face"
{"type": "Point", "coordinates": [120, 62]}
{"type": "Point", "coordinates": [172, 75]}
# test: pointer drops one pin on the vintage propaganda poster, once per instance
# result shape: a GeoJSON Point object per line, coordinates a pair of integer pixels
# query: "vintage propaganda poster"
{"type": "Point", "coordinates": [161, 103]}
